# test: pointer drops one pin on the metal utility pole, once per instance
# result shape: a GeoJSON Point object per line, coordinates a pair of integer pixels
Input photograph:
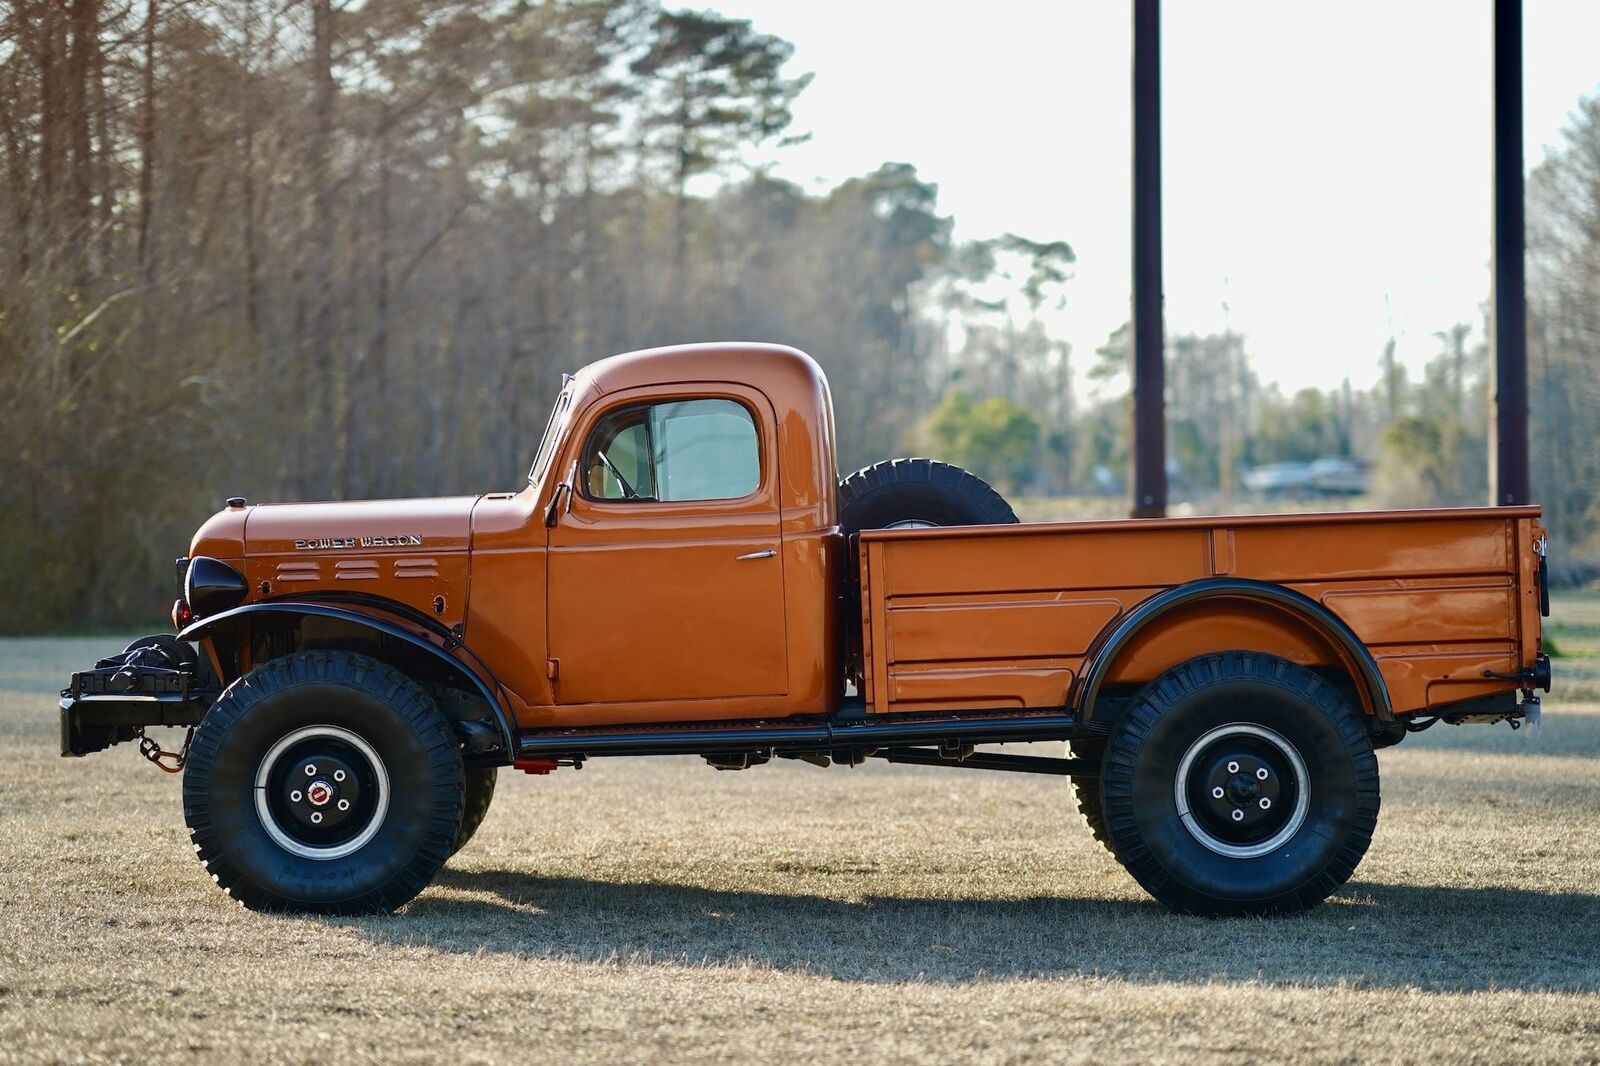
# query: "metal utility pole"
{"type": "Point", "coordinates": [1149, 371]}
{"type": "Point", "coordinates": [1508, 474]}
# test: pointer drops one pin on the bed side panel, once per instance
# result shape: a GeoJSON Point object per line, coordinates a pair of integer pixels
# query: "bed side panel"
{"type": "Point", "coordinates": [1007, 616]}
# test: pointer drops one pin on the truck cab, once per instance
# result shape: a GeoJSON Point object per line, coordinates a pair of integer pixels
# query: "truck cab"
{"type": "Point", "coordinates": [677, 544]}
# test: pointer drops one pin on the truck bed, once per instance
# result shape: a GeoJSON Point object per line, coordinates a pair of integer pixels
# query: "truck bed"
{"type": "Point", "coordinates": [1012, 616]}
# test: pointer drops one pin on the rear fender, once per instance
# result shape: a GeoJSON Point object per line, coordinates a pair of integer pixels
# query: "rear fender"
{"type": "Point", "coordinates": [395, 640]}
{"type": "Point", "coordinates": [1299, 624]}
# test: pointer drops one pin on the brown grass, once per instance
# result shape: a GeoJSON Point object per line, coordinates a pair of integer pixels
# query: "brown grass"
{"type": "Point", "coordinates": [644, 910]}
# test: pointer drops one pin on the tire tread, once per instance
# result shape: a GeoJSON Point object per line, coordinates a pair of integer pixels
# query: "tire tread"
{"type": "Point", "coordinates": [414, 707]}
{"type": "Point", "coordinates": [1156, 700]}
{"type": "Point", "coordinates": [480, 783]}
{"type": "Point", "coordinates": [867, 480]}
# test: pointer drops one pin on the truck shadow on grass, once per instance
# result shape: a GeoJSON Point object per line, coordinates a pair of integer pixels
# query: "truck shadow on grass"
{"type": "Point", "coordinates": [1385, 936]}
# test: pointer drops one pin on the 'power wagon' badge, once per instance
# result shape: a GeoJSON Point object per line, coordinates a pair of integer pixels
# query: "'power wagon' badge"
{"type": "Point", "coordinates": [403, 540]}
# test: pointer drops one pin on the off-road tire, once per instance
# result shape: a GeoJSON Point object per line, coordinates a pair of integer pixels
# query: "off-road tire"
{"type": "Point", "coordinates": [1214, 696]}
{"type": "Point", "coordinates": [480, 791]}
{"type": "Point", "coordinates": [918, 490]}
{"type": "Point", "coordinates": [906, 490]}
{"type": "Point", "coordinates": [1086, 791]}
{"type": "Point", "coordinates": [327, 691]}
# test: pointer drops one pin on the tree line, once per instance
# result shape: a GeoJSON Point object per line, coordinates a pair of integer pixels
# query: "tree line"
{"type": "Point", "coordinates": [1423, 439]}
{"type": "Point", "coordinates": [310, 249]}
{"type": "Point", "coordinates": [313, 249]}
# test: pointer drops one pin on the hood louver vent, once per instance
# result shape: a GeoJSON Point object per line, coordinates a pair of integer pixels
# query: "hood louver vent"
{"type": "Point", "coordinates": [306, 571]}
{"type": "Point", "coordinates": [355, 570]}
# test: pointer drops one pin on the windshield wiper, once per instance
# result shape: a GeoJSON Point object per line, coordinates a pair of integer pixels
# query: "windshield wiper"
{"type": "Point", "coordinates": [628, 492]}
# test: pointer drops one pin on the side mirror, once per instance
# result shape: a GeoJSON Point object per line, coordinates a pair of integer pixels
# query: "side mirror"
{"type": "Point", "coordinates": [563, 489]}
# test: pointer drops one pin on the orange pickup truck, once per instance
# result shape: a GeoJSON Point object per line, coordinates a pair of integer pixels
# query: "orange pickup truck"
{"type": "Point", "coordinates": [685, 574]}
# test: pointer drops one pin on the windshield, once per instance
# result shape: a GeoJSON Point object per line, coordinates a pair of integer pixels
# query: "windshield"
{"type": "Point", "coordinates": [547, 446]}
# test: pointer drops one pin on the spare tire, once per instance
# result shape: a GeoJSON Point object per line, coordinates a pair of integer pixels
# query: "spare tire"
{"type": "Point", "coordinates": [907, 493]}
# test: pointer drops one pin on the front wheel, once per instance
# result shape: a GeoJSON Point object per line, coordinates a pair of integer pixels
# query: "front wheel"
{"type": "Point", "coordinates": [1240, 783]}
{"type": "Point", "coordinates": [324, 782]}
{"type": "Point", "coordinates": [480, 791]}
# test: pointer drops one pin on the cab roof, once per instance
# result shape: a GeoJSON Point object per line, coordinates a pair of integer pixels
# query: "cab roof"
{"type": "Point", "coordinates": [790, 380]}
{"type": "Point", "coordinates": [775, 369]}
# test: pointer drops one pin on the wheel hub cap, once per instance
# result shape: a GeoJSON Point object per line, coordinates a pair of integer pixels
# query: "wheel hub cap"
{"type": "Point", "coordinates": [322, 792]}
{"type": "Point", "coordinates": [1242, 790]}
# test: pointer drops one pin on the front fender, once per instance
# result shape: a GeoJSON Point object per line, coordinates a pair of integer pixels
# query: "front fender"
{"type": "Point", "coordinates": [483, 684]}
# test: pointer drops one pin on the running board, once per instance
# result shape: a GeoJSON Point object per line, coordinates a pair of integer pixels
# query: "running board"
{"type": "Point", "coordinates": [985, 760]}
{"type": "Point", "coordinates": [787, 735]}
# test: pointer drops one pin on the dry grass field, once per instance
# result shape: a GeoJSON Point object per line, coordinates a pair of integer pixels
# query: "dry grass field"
{"type": "Point", "coordinates": [658, 910]}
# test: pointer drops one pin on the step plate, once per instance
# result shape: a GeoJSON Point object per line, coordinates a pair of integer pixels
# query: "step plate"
{"type": "Point", "coordinates": [699, 738]}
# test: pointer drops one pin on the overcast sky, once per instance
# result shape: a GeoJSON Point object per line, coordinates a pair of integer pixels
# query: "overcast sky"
{"type": "Point", "coordinates": [1327, 165]}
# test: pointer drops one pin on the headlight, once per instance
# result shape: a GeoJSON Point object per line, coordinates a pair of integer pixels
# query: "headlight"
{"type": "Point", "coordinates": [211, 585]}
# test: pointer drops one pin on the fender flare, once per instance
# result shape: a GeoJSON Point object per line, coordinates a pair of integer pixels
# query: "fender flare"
{"type": "Point", "coordinates": [204, 628]}
{"type": "Point", "coordinates": [1111, 643]}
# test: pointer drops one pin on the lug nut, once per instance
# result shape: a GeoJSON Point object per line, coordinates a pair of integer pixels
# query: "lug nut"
{"type": "Point", "coordinates": [311, 769]}
{"type": "Point", "coordinates": [1265, 803]}
{"type": "Point", "coordinates": [1233, 768]}
{"type": "Point", "coordinates": [294, 797]}
{"type": "Point", "coordinates": [1216, 793]}
{"type": "Point", "coordinates": [338, 775]}
{"type": "Point", "coordinates": [316, 816]}
{"type": "Point", "coordinates": [1261, 774]}
{"type": "Point", "coordinates": [344, 805]}
{"type": "Point", "coordinates": [1238, 815]}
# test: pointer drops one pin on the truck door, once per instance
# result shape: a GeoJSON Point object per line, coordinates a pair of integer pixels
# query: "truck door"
{"type": "Point", "coordinates": [666, 570]}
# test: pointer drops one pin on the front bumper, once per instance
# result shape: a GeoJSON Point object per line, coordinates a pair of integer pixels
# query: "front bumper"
{"type": "Point", "coordinates": [107, 706]}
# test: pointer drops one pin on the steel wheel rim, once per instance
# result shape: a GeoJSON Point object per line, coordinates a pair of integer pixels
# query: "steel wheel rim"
{"type": "Point", "coordinates": [269, 808]}
{"type": "Point", "coordinates": [912, 523]}
{"type": "Point", "coordinates": [1249, 735]}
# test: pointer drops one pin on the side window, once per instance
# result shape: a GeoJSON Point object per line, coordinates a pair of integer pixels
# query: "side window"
{"type": "Point", "coordinates": [673, 452]}
{"type": "Point", "coordinates": [616, 461]}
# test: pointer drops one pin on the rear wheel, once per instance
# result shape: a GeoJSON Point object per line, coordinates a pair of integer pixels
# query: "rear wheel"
{"type": "Point", "coordinates": [1240, 783]}
{"type": "Point", "coordinates": [323, 782]}
{"type": "Point", "coordinates": [1086, 790]}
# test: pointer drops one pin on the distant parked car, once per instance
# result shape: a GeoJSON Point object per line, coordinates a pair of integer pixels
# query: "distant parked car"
{"type": "Point", "coordinates": [1337, 476]}
{"type": "Point", "coordinates": [1328, 476]}
{"type": "Point", "coordinates": [1279, 479]}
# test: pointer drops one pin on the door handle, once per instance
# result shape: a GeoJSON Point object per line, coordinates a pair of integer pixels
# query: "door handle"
{"type": "Point", "coordinates": [764, 553]}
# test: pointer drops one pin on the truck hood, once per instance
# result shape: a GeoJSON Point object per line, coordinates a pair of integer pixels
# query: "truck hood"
{"type": "Point", "coordinates": [441, 524]}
